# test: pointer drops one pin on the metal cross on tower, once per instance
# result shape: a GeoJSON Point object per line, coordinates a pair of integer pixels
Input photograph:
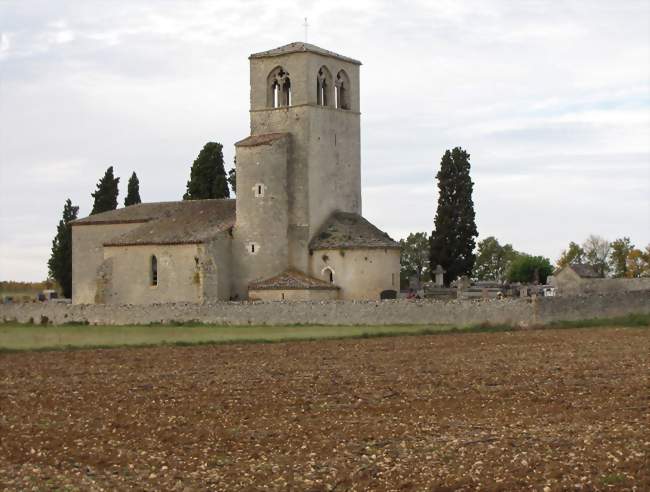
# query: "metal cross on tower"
{"type": "Point", "coordinates": [306, 26]}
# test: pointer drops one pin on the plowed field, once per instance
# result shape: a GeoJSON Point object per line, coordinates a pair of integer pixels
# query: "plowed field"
{"type": "Point", "coordinates": [563, 409]}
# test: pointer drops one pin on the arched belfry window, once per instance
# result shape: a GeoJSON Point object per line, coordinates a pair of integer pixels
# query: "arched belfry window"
{"type": "Point", "coordinates": [342, 91]}
{"type": "Point", "coordinates": [323, 86]}
{"type": "Point", "coordinates": [279, 85]}
{"type": "Point", "coordinates": [153, 274]}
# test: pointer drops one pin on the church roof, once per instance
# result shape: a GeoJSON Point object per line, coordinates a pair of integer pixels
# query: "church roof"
{"type": "Point", "coordinates": [298, 47]}
{"type": "Point", "coordinates": [344, 230]}
{"type": "Point", "coordinates": [263, 139]}
{"type": "Point", "coordinates": [184, 222]}
{"type": "Point", "coordinates": [291, 280]}
{"type": "Point", "coordinates": [142, 212]}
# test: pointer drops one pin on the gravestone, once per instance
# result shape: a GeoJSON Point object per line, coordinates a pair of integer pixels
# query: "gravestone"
{"type": "Point", "coordinates": [439, 273]}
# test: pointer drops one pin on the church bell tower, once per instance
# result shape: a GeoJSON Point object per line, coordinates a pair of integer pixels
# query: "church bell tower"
{"type": "Point", "coordinates": [302, 161]}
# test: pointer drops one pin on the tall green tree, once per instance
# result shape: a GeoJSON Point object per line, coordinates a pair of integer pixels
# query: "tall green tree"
{"type": "Point", "coordinates": [106, 194]}
{"type": "Point", "coordinates": [453, 239]}
{"type": "Point", "coordinates": [208, 176]}
{"type": "Point", "coordinates": [133, 191]}
{"type": "Point", "coordinates": [573, 254]}
{"type": "Point", "coordinates": [493, 259]}
{"type": "Point", "coordinates": [414, 256]}
{"type": "Point", "coordinates": [621, 248]}
{"type": "Point", "coordinates": [528, 269]}
{"type": "Point", "coordinates": [60, 262]}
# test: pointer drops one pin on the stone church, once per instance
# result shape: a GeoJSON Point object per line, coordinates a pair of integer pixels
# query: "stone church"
{"type": "Point", "coordinates": [295, 229]}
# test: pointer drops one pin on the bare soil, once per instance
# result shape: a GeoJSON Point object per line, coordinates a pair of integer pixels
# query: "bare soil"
{"type": "Point", "coordinates": [542, 410]}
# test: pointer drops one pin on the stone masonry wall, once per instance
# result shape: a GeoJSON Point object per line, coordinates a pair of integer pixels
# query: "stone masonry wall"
{"type": "Point", "coordinates": [514, 311]}
{"type": "Point", "coordinates": [602, 286]}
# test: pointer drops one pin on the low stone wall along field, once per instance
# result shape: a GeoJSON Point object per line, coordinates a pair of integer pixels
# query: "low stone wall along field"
{"type": "Point", "coordinates": [523, 312]}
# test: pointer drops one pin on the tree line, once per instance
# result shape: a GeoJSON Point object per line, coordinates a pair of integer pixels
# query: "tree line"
{"type": "Point", "coordinates": [503, 263]}
{"type": "Point", "coordinates": [491, 261]}
{"type": "Point", "coordinates": [208, 179]}
{"type": "Point", "coordinates": [452, 243]}
{"type": "Point", "coordinates": [619, 258]}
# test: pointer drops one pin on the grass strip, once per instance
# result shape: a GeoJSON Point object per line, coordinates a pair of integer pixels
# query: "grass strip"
{"type": "Point", "coordinates": [17, 337]}
{"type": "Point", "coordinates": [629, 321]}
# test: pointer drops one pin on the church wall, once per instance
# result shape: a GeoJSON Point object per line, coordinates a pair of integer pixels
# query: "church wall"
{"type": "Point", "coordinates": [88, 255]}
{"type": "Point", "coordinates": [260, 244]}
{"type": "Point", "coordinates": [215, 260]}
{"type": "Point", "coordinates": [334, 143]}
{"type": "Point", "coordinates": [178, 274]}
{"type": "Point", "coordinates": [360, 273]}
{"type": "Point", "coordinates": [334, 165]}
{"type": "Point", "coordinates": [293, 121]}
{"type": "Point", "coordinates": [293, 295]}
{"type": "Point", "coordinates": [324, 172]}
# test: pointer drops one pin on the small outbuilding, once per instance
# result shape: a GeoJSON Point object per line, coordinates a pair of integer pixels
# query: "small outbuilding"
{"type": "Point", "coordinates": [579, 279]}
{"type": "Point", "coordinates": [292, 285]}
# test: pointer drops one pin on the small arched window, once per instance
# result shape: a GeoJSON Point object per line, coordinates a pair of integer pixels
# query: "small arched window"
{"type": "Point", "coordinates": [153, 274]}
{"type": "Point", "coordinates": [342, 91]}
{"type": "Point", "coordinates": [279, 88]}
{"type": "Point", "coordinates": [323, 86]}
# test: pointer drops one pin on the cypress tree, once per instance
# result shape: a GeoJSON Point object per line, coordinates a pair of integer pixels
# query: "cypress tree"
{"type": "Point", "coordinates": [232, 176]}
{"type": "Point", "coordinates": [208, 176]}
{"type": "Point", "coordinates": [133, 191]}
{"type": "Point", "coordinates": [106, 194]}
{"type": "Point", "coordinates": [453, 240]}
{"type": "Point", "coordinates": [60, 262]}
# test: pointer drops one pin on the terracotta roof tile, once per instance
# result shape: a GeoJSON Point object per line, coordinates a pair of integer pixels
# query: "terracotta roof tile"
{"type": "Point", "coordinates": [291, 280]}
{"type": "Point", "coordinates": [263, 139]}
{"type": "Point", "coordinates": [142, 212]}
{"type": "Point", "coordinates": [190, 221]}
{"type": "Point", "coordinates": [345, 230]}
{"type": "Point", "coordinates": [184, 222]}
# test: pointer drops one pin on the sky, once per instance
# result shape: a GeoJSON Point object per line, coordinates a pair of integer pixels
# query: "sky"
{"type": "Point", "coordinates": [551, 99]}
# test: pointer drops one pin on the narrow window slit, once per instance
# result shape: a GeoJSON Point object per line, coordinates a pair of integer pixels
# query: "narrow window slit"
{"type": "Point", "coordinates": [153, 278]}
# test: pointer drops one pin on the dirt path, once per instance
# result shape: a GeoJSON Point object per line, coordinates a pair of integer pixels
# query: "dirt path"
{"type": "Point", "coordinates": [567, 409]}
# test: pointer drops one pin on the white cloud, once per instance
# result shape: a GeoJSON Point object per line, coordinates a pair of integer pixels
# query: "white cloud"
{"type": "Point", "coordinates": [63, 36]}
{"type": "Point", "coordinates": [5, 43]}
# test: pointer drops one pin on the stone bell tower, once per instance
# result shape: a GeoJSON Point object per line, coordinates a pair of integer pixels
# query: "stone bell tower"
{"type": "Point", "coordinates": [302, 161]}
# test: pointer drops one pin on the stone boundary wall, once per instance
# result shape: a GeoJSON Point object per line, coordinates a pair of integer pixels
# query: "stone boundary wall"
{"type": "Point", "coordinates": [526, 311]}
{"type": "Point", "coordinates": [590, 286]}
